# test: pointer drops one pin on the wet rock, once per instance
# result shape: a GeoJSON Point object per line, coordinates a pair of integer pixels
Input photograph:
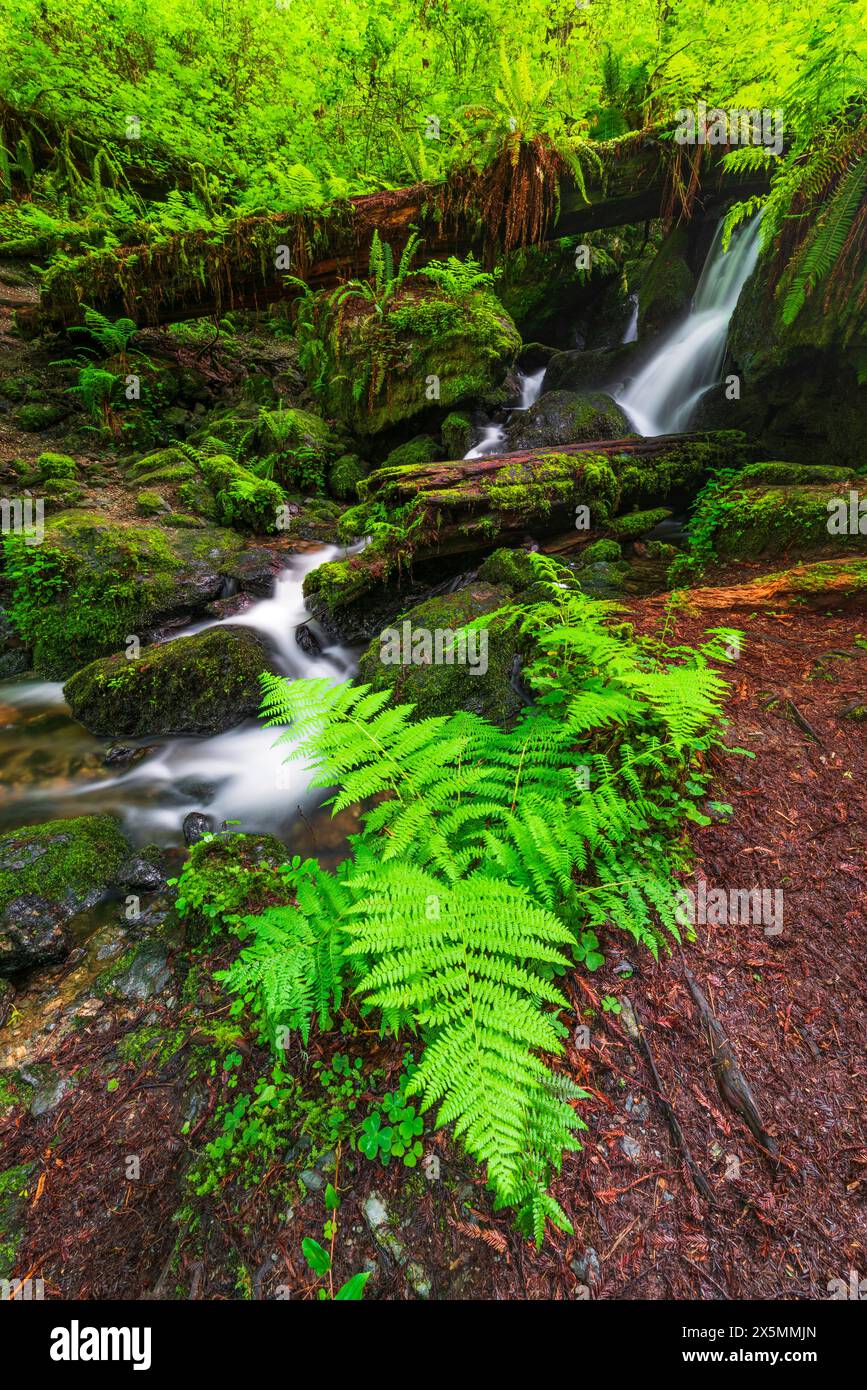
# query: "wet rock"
{"type": "Point", "coordinates": [587, 1267]}
{"type": "Point", "coordinates": [49, 1089]}
{"type": "Point", "coordinates": [566, 417]}
{"type": "Point", "coordinates": [591, 371]}
{"type": "Point", "coordinates": [602, 579]}
{"type": "Point", "coordinates": [138, 872]}
{"type": "Point", "coordinates": [380, 1225]}
{"type": "Point", "coordinates": [202, 684]}
{"type": "Point", "coordinates": [127, 755]}
{"type": "Point", "coordinates": [196, 826]}
{"type": "Point", "coordinates": [146, 974]}
{"type": "Point", "coordinates": [32, 932]}
{"type": "Point", "coordinates": [313, 1181]}
{"type": "Point", "coordinates": [307, 640]}
{"type": "Point", "coordinates": [630, 1147]}
{"type": "Point", "coordinates": [230, 607]}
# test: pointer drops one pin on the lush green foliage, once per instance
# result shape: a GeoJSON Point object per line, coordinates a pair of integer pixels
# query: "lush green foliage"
{"type": "Point", "coordinates": [489, 860]}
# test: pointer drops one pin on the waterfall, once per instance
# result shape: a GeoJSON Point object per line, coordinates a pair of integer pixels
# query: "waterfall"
{"type": "Point", "coordinates": [630, 334]}
{"type": "Point", "coordinates": [531, 386]}
{"type": "Point", "coordinates": [492, 441]}
{"type": "Point", "coordinates": [687, 362]}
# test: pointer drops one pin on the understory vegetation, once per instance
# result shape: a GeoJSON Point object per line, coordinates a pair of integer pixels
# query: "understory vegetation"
{"type": "Point", "coordinates": [488, 861]}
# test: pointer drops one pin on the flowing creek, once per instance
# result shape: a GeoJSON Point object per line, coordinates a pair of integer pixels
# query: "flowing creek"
{"type": "Point", "coordinates": [53, 768]}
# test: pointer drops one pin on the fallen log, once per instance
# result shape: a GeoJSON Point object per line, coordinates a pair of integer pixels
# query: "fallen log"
{"type": "Point", "coordinates": [257, 260]}
{"type": "Point", "coordinates": [427, 512]}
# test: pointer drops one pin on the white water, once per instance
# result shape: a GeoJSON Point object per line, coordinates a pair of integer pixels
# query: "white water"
{"type": "Point", "coordinates": [493, 439]}
{"type": "Point", "coordinates": [687, 362]}
{"type": "Point", "coordinates": [631, 333]}
{"type": "Point", "coordinates": [237, 775]}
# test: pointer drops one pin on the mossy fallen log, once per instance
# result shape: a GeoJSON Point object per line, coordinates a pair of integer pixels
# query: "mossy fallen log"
{"type": "Point", "coordinates": [430, 511]}
{"type": "Point", "coordinates": [254, 261]}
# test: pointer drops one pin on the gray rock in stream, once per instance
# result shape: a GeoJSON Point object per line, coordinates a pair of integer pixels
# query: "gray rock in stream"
{"type": "Point", "coordinates": [32, 932]}
{"type": "Point", "coordinates": [196, 826]}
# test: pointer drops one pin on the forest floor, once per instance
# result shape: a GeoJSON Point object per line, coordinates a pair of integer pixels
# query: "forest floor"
{"type": "Point", "coordinates": [791, 1005]}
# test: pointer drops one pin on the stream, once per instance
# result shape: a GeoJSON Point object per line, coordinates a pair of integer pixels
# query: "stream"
{"type": "Point", "coordinates": [53, 768]}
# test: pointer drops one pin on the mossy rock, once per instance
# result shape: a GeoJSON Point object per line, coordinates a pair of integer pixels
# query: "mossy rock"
{"type": "Point", "coordinates": [781, 521]}
{"type": "Point", "coordinates": [567, 417]}
{"type": "Point", "coordinates": [194, 685]}
{"type": "Point", "coordinates": [243, 499]}
{"type": "Point", "coordinates": [606, 550]}
{"type": "Point", "coordinates": [50, 465]}
{"type": "Point", "coordinates": [668, 286]}
{"type": "Point", "coordinates": [36, 417]}
{"type": "Point", "coordinates": [93, 582]}
{"type": "Point", "coordinates": [598, 370]}
{"type": "Point", "coordinates": [512, 569]}
{"type": "Point", "coordinates": [633, 525]}
{"type": "Point", "coordinates": [776, 472]}
{"type": "Point", "coordinates": [457, 435]}
{"type": "Point", "coordinates": [230, 877]}
{"type": "Point", "coordinates": [340, 582]}
{"type": "Point", "coordinates": [150, 503]}
{"type": "Point", "coordinates": [70, 862]}
{"type": "Point", "coordinates": [161, 459]}
{"type": "Point", "coordinates": [421, 449]}
{"type": "Point", "coordinates": [344, 476]}
{"type": "Point", "coordinates": [480, 683]}
{"type": "Point", "coordinates": [62, 492]}
{"type": "Point", "coordinates": [425, 354]}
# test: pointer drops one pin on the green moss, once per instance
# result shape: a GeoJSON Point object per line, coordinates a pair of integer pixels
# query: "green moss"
{"type": "Point", "coordinates": [154, 1046]}
{"type": "Point", "coordinates": [450, 686]}
{"type": "Point", "coordinates": [679, 471]}
{"type": "Point", "coordinates": [193, 685]}
{"type": "Point", "coordinates": [155, 462]}
{"type": "Point", "coordinates": [554, 482]}
{"type": "Point", "coordinates": [634, 525]}
{"type": "Point", "coordinates": [457, 434]}
{"type": "Point", "coordinates": [777, 521]}
{"type": "Point", "coordinates": [243, 499]}
{"type": "Point", "coordinates": [36, 417]}
{"type": "Point", "coordinates": [422, 449]}
{"type": "Point", "coordinates": [57, 490]}
{"type": "Point", "coordinates": [62, 860]}
{"type": "Point", "coordinates": [425, 352]}
{"type": "Point", "coordinates": [512, 568]}
{"type": "Point", "coordinates": [229, 877]}
{"type": "Point", "coordinates": [339, 582]}
{"type": "Point", "coordinates": [92, 582]}
{"type": "Point", "coordinates": [777, 472]}
{"type": "Point", "coordinates": [668, 286]}
{"type": "Point", "coordinates": [182, 521]}
{"type": "Point", "coordinates": [294, 446]}
{"type": "Point", "coordinates": [150, 503]}
{"type": "Point", "coordinates": [56, 466]}
{"type": "Point", "coordinates": [601, 550]}
{"type": "Point", "coordinates": [344, 476]}
{"type": "Point", "coordinates": [172, 474]}
{"type": "Point", "coordinates": [15, 1188]}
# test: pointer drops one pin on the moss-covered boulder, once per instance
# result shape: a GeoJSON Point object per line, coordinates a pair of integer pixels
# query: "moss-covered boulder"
{"type": "Point", "coordinates": [229, 877]}
{"type": "Point", "coordinates": [420, 449]}
{"type": "Point", "coordinates": [293, 446]}
{"type": "Point", "coordinates": [194, 685]}
{"type": "Point", "coordinates": [457, 435]}
{"type": "Point", "coordinates": [65, 862]}
{"type": "Point", "coordinates": [668, 286]}
{"type": "Point", "coordinates": [566, 417]}
{"type": "Point", "coordinates": [423, 660]}
{"type": "Point", "coordinates": [750, 521]}
{"type": "Point", "coordinates": [93, 582]}
{"type": "Point", "coordinates": [345, 475]}
{"type": "Point", "coordinates": [243, 499]}
{"type": "Point", "coordinates": [50, 465]}
{"type": "Point", "coordinates": [599, 370]}
{"type": "Point", "coordinates": [679, 471]}
{"type": "Point", "coordinates": [420, 353]}
{"type": "Point", "coordinates": [631, 526]}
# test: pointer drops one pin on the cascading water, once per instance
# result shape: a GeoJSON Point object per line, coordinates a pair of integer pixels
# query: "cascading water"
{"type": "Point", "coordinates": [630, 334]}
{"type": "Point", "coordinates": [687, 362]}
{"type": "Point", "coordinates": [54, 768]}
{"type": "Point", "coordinates": [493, 440]}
